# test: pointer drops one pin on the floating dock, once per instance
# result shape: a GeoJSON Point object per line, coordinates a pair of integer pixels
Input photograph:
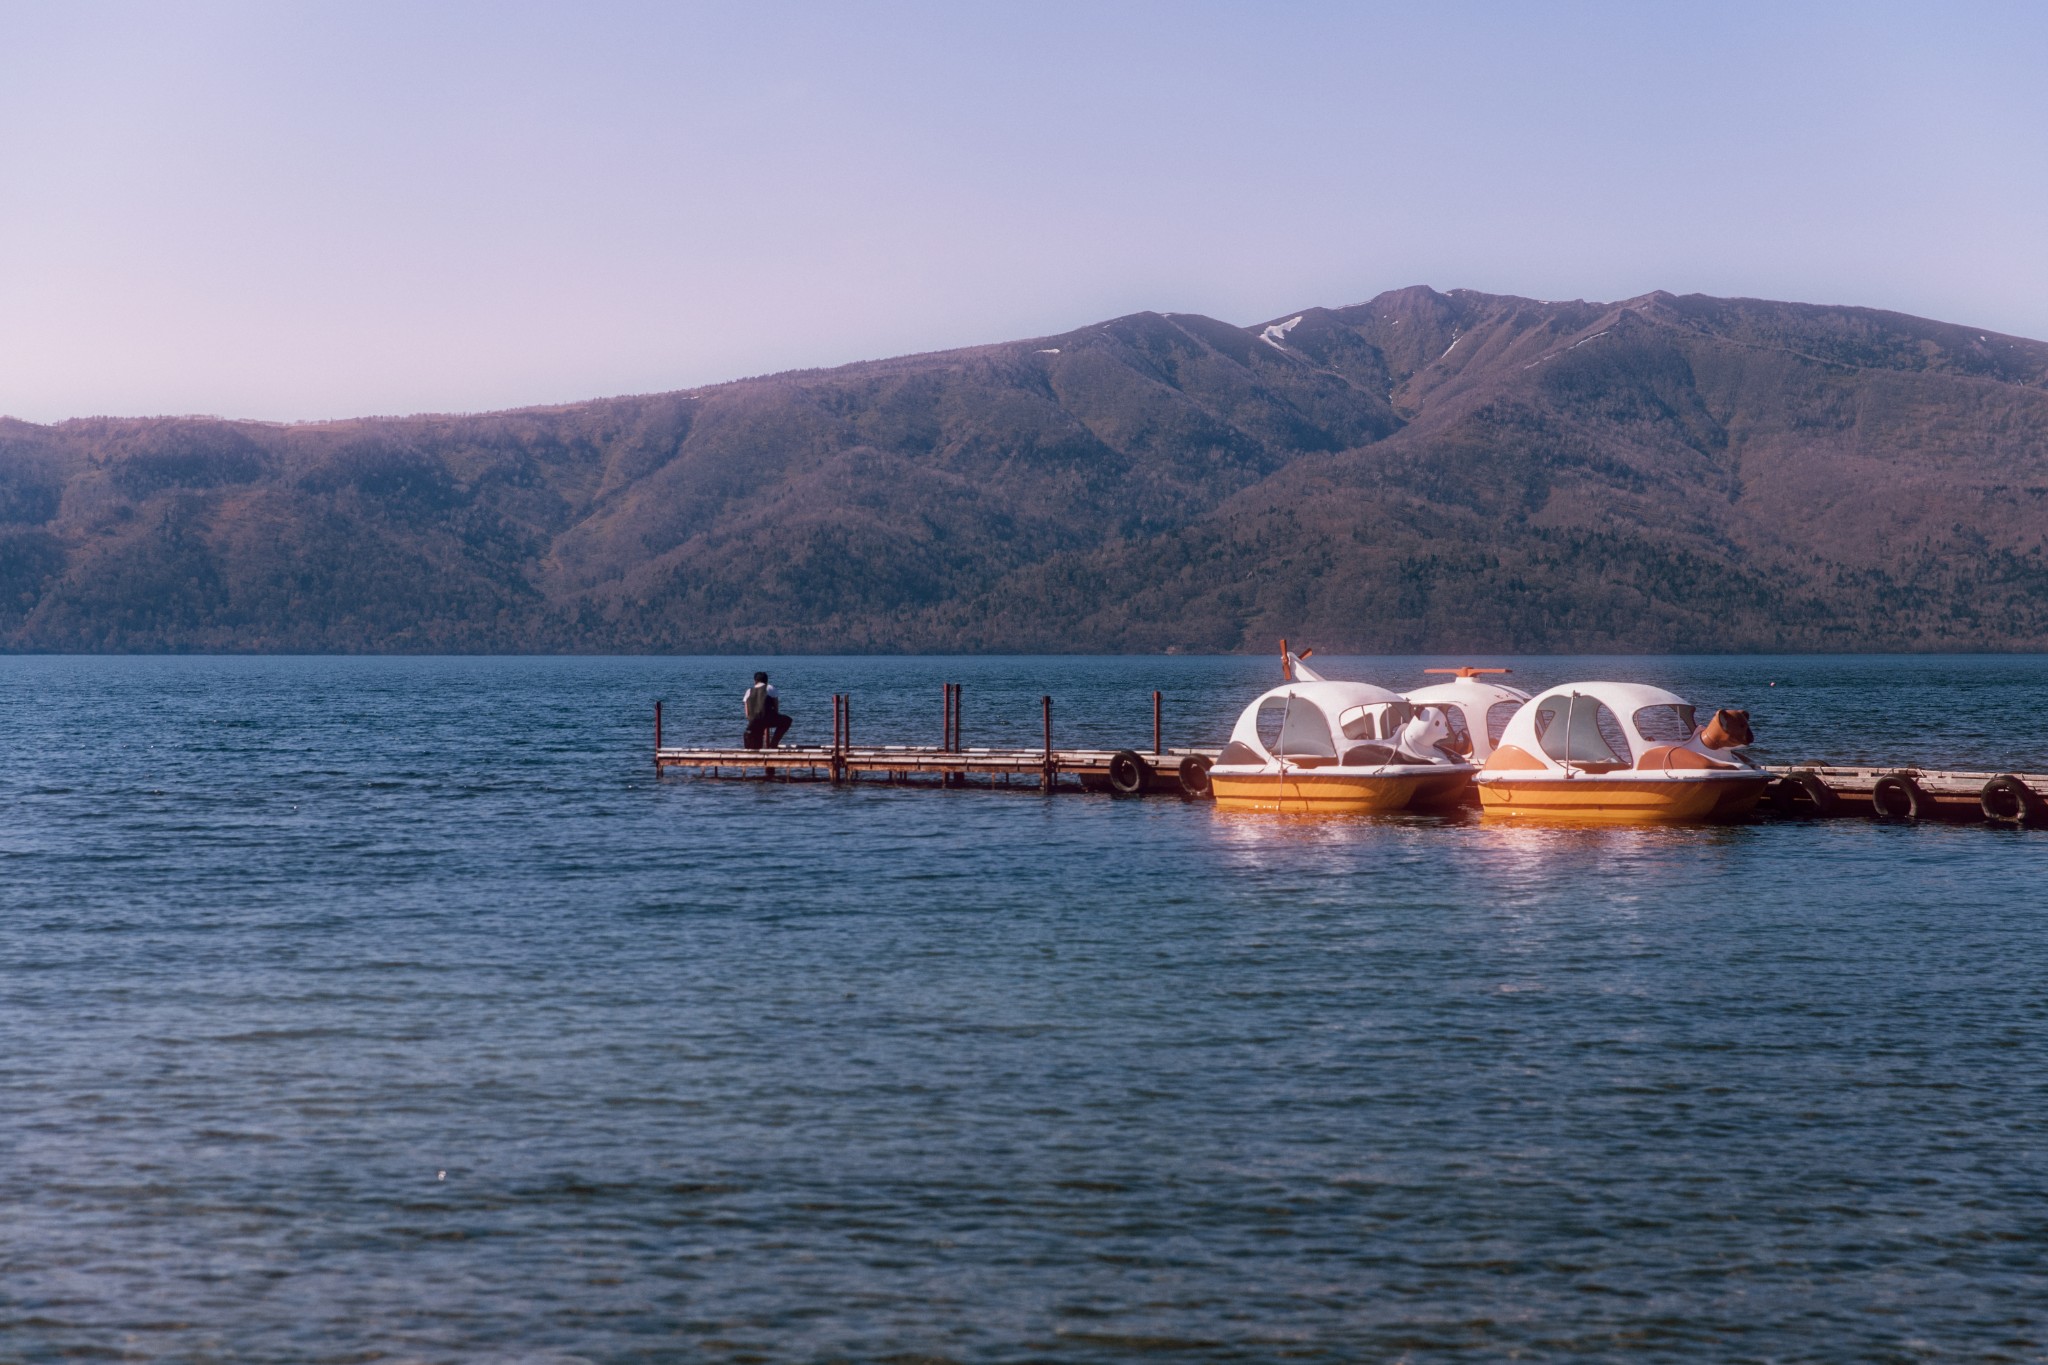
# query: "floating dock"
{"type": "Point", "coordinates": [1817, 790]}
{"type": "Point", "coordinates": [1123, 771]}
{"type": "Point", "coordinates": [1801, 791]}
{"type": "Point", "coordinates": [1127, 772]}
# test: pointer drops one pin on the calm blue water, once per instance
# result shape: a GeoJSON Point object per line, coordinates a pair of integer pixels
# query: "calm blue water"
{"type": "Point", "coordinates": [390, 1009]}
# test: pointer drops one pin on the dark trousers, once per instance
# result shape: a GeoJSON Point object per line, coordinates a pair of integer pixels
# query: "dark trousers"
{"type": "Point", "coordinates": [766, 730]}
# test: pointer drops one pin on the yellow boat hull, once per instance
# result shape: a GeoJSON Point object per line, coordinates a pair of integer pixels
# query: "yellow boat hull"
{"type": "Point", "coordinates": [1623, 800]}
{"type": "Point", "coordinates": [1312, 793]}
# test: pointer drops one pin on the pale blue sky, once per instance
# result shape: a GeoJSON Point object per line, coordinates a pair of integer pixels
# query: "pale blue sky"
{"type": "Point", "coordinates": [317, 210]}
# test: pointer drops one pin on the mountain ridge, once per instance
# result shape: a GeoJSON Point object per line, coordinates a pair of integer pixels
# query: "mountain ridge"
{"type": "Point", "coordinates": [1424, 470]}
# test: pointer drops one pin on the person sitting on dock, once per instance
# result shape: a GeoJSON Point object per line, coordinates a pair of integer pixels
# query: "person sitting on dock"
{"type": "Point", "coordinates": [766, 725]}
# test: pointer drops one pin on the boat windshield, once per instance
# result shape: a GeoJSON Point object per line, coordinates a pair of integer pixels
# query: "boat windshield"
{"type": "Point", "coordinates": [1582, 732]}
{"type": "Point", "coordinates": [1293, 728]}
{"type": "Point", "coordinates": [1666, 724]}
{"type": "Point", "coordinates": [1375, 720]}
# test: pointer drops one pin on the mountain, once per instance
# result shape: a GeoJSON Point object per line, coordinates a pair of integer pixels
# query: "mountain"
{"type": "Point", "coordinates": [1426, 471]}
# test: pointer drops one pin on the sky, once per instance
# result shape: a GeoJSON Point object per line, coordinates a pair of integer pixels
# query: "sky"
{"type": "Point", "coordinates": [300, 211]}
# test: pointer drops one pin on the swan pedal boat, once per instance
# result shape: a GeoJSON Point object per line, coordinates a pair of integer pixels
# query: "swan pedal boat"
{"type": "Point", "coordinates": [1623, 753]}
{"type": "Point", "coordinates": [1338, 748]}
{"type": "Point", "coordinates": [1477, 711]}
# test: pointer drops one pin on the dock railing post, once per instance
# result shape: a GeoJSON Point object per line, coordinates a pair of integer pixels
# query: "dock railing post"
{"type": "Point", "coordinates": [657, 739]}
{"type": "Point", "coordinates": [1046, 778]}
{"type": "Point", "coordinates": [1156, 750]}
{"type": "Point", "coordinates": [835, 737]}
{"type": "Point", "coordinates": [952, 744]}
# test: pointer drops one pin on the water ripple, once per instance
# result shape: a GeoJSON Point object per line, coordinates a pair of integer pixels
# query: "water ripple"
{"type": "Point", "coordinates": [390, 1009]}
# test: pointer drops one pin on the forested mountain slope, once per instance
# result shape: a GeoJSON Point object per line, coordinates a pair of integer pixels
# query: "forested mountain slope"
{"type": "Point", "coordinates": [1423, 471]}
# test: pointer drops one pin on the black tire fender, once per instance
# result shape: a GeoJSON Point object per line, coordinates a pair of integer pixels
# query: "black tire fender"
{"type": "Point", "coordinates": [1194, 777]}
{"type": "Point", "coordinates": [1898, 797]}
{"type": "Point", "coordinates": [2006, 800]}
{"type": "Point", "coordinates": [1802, 794]}
{"type": "Point", "coordinates": [1785, 797]}
{"type": "Point", "coordinates": [1127, 773]}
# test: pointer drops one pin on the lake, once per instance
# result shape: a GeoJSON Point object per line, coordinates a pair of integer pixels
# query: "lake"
{"type": "Point", "coordinates": [386, 1008]}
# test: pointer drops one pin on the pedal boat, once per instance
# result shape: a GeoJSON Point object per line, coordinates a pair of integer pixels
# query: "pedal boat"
{"type": "Point", "coordinates": [1619, 753]}
{"type": "Point", "coordinates": [1340, 748]}
{"type": "Point", "coordinates": [1464, 718]}
{"type": "Point", "coordinates": [1475, 713]}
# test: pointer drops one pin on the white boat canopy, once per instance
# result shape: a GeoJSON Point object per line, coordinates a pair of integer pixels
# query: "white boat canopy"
{"type": "Point", "coordinates": [1324, 723]}
{"type": "Point", "coordinates": [1596, 727]}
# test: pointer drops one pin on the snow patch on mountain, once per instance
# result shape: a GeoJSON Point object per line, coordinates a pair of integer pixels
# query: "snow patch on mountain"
{"type": "Point", "coordinates": [1277, 333]}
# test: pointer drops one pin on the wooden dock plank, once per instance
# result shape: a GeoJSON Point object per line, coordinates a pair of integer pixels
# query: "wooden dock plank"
{"type": "Point", "coordinates": [1850, 781]}
{"type": "Point", "coordinates": [901, 760]}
